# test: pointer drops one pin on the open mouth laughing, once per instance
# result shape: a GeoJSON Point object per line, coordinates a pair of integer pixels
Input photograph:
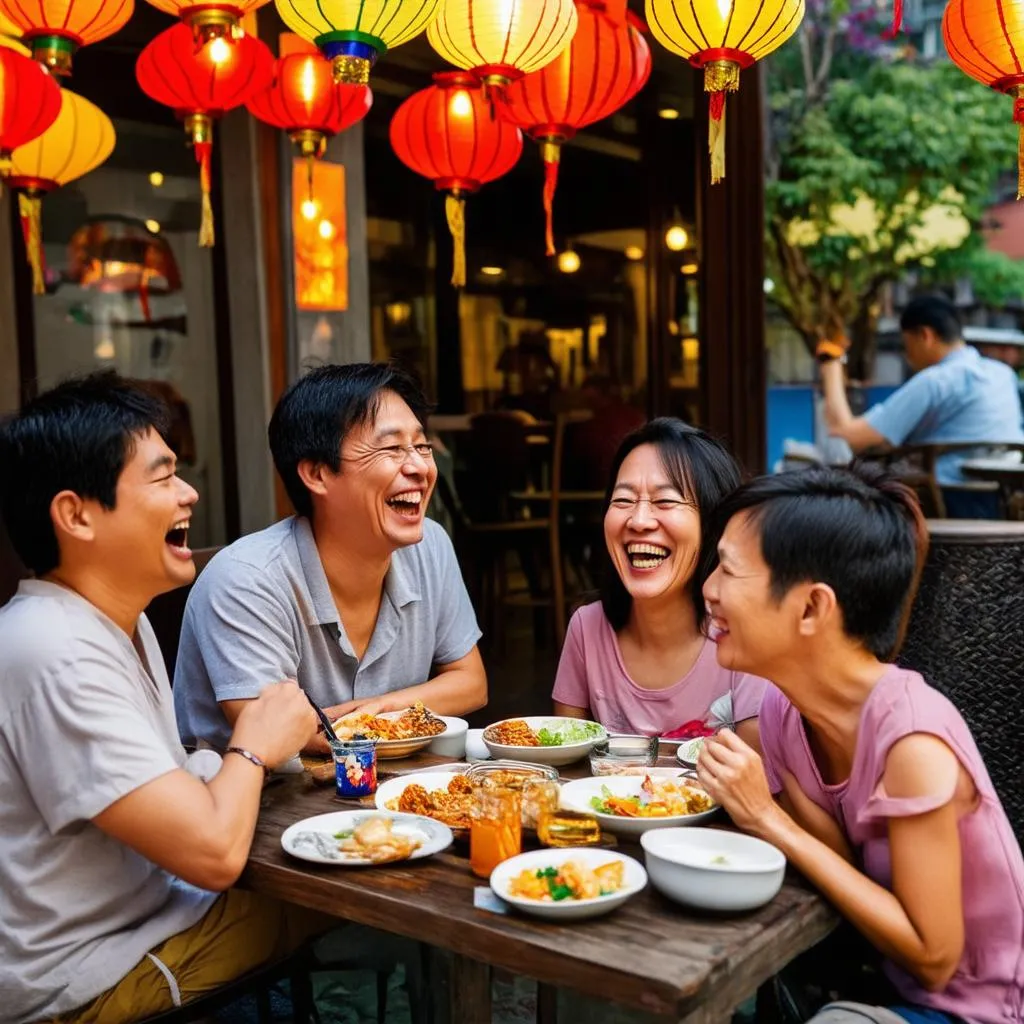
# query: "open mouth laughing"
{"type": "Point", "coordinates": [646, 556]}
{"type": "Point", "coordinates": [408, 504]}
{"type": "Point", "coordinates": [177, 537]}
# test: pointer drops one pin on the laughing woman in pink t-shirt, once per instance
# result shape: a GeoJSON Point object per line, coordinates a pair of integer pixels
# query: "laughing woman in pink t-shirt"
{"type": "Point", "coordinates": [882, 797]}
{"type": "Point", "coordinates": [638, 661]}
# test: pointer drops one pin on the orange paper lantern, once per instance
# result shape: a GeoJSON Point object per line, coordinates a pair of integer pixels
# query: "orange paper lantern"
{"type": "Point", "coordinates": [985, 39]}
{"type": "Point", "coordinates": [449, 134]}
{"type": "Point", "coordinates": [603, 68]}
{"type": "Point", "coordinates": [200, 85]}
{"type": "Point", "coordinates": [55, 29]}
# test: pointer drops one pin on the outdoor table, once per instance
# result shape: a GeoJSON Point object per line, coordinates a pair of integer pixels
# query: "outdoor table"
{"type": "Point", "coordinates": [651, 954]}
{"type": "Point", "coordinates": [1009, 476]}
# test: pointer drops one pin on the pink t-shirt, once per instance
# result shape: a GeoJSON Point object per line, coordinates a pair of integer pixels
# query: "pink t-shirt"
{"type": "Point", "coordinates": [592, 674]}
{"type": "Point", "coordinates": [988, 986]}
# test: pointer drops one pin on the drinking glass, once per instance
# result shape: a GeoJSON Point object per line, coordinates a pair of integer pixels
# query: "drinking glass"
{"type": "Point", "coordinates": [495, 832]}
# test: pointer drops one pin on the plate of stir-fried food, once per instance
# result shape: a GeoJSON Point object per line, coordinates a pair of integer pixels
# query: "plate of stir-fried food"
{"type": "Point", "coordinates": [631, 805]}
{"type": "Point", "coordinates": [543, 740]}
{"type": "Point", "coordinates": [398, 733]}
{"type": "Point", "coordinates": [570, 884]}
{"type": "Point", "coordinates": [361, 838]}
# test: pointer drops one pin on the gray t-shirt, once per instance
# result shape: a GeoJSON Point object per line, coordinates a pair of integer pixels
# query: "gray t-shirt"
{"type": "Point", "coordinates": [84, 720]}
{"type": "Point", "coordinates": [262, 611]}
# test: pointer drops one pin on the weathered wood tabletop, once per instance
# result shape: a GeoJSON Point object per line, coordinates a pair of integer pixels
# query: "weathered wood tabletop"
{"type": "Point", "coordinates": [650, 954]}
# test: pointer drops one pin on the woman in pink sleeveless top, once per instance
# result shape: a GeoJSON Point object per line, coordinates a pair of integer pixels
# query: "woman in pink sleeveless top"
{"type": "Point", "coordinates": [639, 661]}
{"type": "Point", "coordinates": [883, 800]}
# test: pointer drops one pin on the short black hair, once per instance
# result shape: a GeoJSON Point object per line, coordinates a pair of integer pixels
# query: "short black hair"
{"type": "Point", "coordinates": [857, 529]}
{"type": "Point", "coordinates": [316, 413]}
{"type": "Point", "coordinates": [703, 471]}
{"type": "Point", "coordinates": [76, 437]}
{"type": "Point", "coordinates": [936, 312]}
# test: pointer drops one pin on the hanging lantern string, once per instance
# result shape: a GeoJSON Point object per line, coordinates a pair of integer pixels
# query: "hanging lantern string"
{"type": "Point", "coordinates": [455, 211]}
{"type": "Point", "coordinates": [551, 155]}
{"type": "Point", "coordinates": [30, 210]}
{"type": "Point", "coordinates": [897, 21]}
{"type": "Point", "coordinates": [1018, 117]}
{"type": "Point", "coordinates": [204, 155]}
{"type": "Point", "coordinates": [720, 77]}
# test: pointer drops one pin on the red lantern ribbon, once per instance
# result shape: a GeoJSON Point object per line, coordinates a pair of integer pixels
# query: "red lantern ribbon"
{"type": "Point", "coordinates": [1018, 117]}
{"type": "Point", "coordinates": [897, 21]}
{"type": "Point", "coordinates": [204, 154]}
{"type": "Point", "coordinates": [550, 153]}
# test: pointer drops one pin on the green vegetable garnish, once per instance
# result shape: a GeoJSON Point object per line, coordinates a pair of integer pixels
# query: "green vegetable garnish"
{"type": "Point", "coordinates": [559, 891]}
{"type": "Point", "coordinates": [570, 732]}
{"type": "Point", "coordinates": [720, 859]}
{"type": "Point", "coordinates": [343, 835]}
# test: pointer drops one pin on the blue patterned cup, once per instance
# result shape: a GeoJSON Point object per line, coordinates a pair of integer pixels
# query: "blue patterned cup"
{"type": "Point", "coordinates": [355, 768]}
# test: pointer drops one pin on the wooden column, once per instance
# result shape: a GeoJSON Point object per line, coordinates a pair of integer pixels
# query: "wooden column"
{"type": "Point", "coordinates": [732, 309]}
{"type": "Point", "coordinates": [10, 369]}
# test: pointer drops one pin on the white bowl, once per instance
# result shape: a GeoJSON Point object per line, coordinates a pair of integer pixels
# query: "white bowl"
{"type": "Point", "coordinates": [565, 754]}
{"type": "Point", "coordinates": [567, 910]}
{"type": "Point", "coordinates": [576, 796]}
{"type": "Point", "coordinates": [452, 742]}
{"type": "Point", "coordinates": [476, 749]}
{"type": "Point", "coordinates": [713, 869]}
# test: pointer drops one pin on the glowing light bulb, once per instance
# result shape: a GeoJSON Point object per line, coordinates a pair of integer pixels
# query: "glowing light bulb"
{"type": "Point", "coordinates": [220, 50]}
{"type": "Point", "coordinates": [156, 179]}
{"type": "Point", "coordinates": [154, 226]}
{"type": "Point", "coordinates": [462, 105]}
{"type": "Point", "coordinates": [492, 271]}
{"type": "Point", "coordinates": [633, 252]}
{"type": "Point", "coordinates": [676, 238]}
{"type": "Point", "coordinates": [568, 261]}
{"type": "Point", "coordinates": [307, 81]}
{"type": "Point", "coordinates": [668, 114]}
{"type": "Point", "coordinates": [310, 208]}
{"type": "Point", "coordinates": [688, 269]}
{"type": "Point", "coordinates": [326, 229]}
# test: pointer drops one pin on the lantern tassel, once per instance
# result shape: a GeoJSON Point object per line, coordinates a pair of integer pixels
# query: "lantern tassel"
{"type": "Point", "coordinates": [309, 177]}
{"type": "Point", "coordinates": [1018, 116]}
{"type": "Point", "coordinates": [550, 153]}
{"type": "Point", "coordinates": [897, 21]}
{"type": "Point", "coordinates": [455, 211]}
{"type": "Point", "coordinates": [204, 153]}
{"type": "Point", "coordinates": [30, 209]}
{"type": "Point", "coordinates": [720, 77]}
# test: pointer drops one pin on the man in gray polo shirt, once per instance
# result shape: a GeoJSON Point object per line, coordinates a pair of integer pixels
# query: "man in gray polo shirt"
{"type": "Point", "coordinates": [111, 839]}
{"type": "Point", "coordinates": [359, 597]}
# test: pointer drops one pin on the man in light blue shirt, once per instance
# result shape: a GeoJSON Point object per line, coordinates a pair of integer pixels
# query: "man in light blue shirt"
{"type": "Point", "coordinates": [956, 395]}
{"type": "Point", "coordinates": [358, 597]}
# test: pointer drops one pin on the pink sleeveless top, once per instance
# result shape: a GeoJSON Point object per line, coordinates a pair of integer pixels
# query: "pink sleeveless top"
{"type": "Point", "coordinates": [988, 986]}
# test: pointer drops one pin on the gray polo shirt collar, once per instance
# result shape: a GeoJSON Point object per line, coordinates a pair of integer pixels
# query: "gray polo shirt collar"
{"type": "Point", "coordinates": [400, 587]}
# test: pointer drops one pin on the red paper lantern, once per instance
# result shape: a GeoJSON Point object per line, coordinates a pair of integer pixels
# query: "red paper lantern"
{"type": "Point", "coordinates": [605, 66]}
{"type": "Point", "coordinates": [29, 103]}
{"type": "Point", "coordinates": [201, 84]}
{"type": "Point", "coordinates": [449, 133]}
{"type": "Point", "coordinates": [306, 102]}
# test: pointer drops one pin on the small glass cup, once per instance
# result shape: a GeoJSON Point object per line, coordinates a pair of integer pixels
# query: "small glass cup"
{"type": "Point", "coordinates": [556, 827]}
{"type": "Point", "coordinates": [623, 755]}
{"type": "Point", "coordinates": [495, 832]}
{"type": "Point", "coordinates": [355, 768]}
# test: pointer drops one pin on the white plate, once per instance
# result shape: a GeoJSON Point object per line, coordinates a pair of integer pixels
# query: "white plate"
{"type": "Point", "coordinates": [555, 756]}
{"type": "Point", "coordinates": [567, 910]}
{"type": "Point", "coordinates": [394, 788]}
{"type": "Point", "coordinates": [313, 839]}
{"type": "Point", "coordinates": [576, 796]}
{"type": "Point", "coordinates": [390, 749]}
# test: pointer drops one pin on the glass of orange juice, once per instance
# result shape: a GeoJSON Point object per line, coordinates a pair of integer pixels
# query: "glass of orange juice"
{"type": "Point", "coordinates": [495, 832]}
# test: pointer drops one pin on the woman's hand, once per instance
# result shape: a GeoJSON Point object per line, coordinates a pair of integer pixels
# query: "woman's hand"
{"type": "Point", "coordinates": [733, 774]}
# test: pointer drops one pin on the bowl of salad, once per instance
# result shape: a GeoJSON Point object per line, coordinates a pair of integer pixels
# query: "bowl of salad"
{"type": "Point", "coordinates": [630, 805]}
{"type": "Point", "coordinates": [542, 740]}
{"type": "Point", "coordinates": [569, 884]}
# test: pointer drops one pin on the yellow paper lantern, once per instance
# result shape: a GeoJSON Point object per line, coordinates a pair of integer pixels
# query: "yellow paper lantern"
{"type": "Point", "coordinates": [722, 37]}
{"type": "Point", "coordinates": [502, 40]}
{"type": "Point", "coordinates": [76, 143]}
{"type": "Point", "coordinates": [352, 34]}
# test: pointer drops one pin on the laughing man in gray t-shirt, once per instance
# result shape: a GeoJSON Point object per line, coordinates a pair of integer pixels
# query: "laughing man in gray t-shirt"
{"type": "Point", "coordinates": [358, 597]}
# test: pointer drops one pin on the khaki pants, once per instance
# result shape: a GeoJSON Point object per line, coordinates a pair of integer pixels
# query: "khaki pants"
{"type": "Point", "coordinates": [240, 932]}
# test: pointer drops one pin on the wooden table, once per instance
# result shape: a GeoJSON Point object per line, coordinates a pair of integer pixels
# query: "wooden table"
{"type": "Point", "coordinates": [1008, 475]}
{"type": "Point", "coordinates": [650, 954]}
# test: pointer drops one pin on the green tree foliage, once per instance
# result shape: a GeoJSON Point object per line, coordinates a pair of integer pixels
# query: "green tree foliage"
{"type": "Point", "coordinates": [878, 165]}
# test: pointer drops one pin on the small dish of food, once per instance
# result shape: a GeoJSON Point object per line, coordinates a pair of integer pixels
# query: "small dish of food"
{"type": "Point", "coordinates": [569, 884]}
{"type": "Point", "coordinates": [713, 869]}
{"type": "Point", "coordinates": [398, 733]}
{"type": "Point", "coordinates": [361, 839]}
{"type": "Point", "coordinates": [551, 741]}
{"type": "Point", "coordinates": [630, 805]}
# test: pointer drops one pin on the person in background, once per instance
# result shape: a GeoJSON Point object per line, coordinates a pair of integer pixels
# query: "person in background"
{"type": "Point", "coordinates": [113, 843]}
{"type": "Point", "coordinates": [868, 780]}
{"type": "Point", "coordinates": [955, 395]}
{"type": "Point", "coordinates": [357, 596]}
{"type": "Point", "coordinates": [638, 660]}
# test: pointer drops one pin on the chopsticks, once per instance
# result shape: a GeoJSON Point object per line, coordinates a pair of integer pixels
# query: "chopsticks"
{"type": "Point", "coordinates": [325, 722]}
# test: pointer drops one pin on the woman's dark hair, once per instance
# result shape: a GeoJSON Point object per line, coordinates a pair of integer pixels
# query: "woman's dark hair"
{"type": "Point", "coordinates": [315, 414]}
{"type": "Point", "coordinates": [703, 472]}
{"type": "Point", "coordinates": [857, 529]}
{"type": "Point", "coordinates": [76, 437]}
